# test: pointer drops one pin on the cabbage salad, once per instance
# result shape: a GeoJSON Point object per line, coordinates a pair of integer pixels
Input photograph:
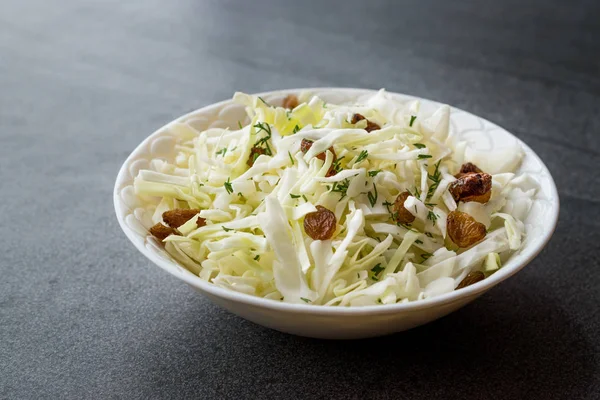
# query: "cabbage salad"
{"type": "Point", "coordinates": [337, 204]}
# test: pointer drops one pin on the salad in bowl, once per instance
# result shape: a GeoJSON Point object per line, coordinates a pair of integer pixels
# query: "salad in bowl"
{"type": "Point", "coordinates": [352, 204]}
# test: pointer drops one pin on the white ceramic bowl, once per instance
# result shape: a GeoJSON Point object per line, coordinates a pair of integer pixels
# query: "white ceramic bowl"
{"type": "Point", "coordinates": [321, 321]}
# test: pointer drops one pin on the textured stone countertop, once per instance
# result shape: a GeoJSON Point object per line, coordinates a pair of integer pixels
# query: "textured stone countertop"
{"type": "Point", "coordinates": [84, 316]}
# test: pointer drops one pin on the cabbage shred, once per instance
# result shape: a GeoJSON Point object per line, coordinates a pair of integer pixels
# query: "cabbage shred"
{"type": "Point", "coordinates": [254, 186]}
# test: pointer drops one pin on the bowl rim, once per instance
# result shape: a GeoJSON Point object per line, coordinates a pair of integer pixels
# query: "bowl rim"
{"type": "Point", "coordinates": [508, 270]}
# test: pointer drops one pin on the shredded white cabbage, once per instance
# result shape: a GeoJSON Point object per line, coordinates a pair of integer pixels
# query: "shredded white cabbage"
{"type": "Point", "coordinates": [254, 186]}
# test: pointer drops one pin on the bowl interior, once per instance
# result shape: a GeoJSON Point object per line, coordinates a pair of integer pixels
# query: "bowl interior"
{"type": "Point", "coordinates": [480, 134]}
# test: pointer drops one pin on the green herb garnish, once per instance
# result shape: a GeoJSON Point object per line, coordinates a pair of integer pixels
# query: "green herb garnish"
{"type": "Point", "coordinates": [374, 173]}
{"type": "Point", "coordinates": [424, 156]}
{"type": "Point", "coordinates": [372, 197]}
{"type": "Point", "coordinates": [228, 186]}
{"type": "Point", "coordinates": [363, 154]}
{"type": "Point", "coordinates": [222, 151]}
{"type": "Point", "coordinates": [305, 300]}
{"type": "Point", "coordinates": [436, 178]}
{"type": "Point", "coordinates": [263, 100]}
{"type": "Point", "coordinates": [257, 258]}
{"type": "Point", "coordinates": [295, 196]}
{"type": "Point", "coordinates": [419, 145]}
{"type": "Point", "coordinates": [291, 158]}
{"type": "Point", "coordinates": [432, 216]}
{"type": "Point", "coordinates": [263, 143]}
{"type": "Point", "coordinates": [387, 205]}
{"type": "Point", "coordinates": [417, 193]}
{"type": "Point", "coordinates": [376, 270]}
{"type": "Point", "coordinates": [412, 120]}
{"type": "Point", "coordinates": [227, 229]}
{"type": "Point", "coordinates": [341, 187]}
{"type": "Point", "coordinates": [336, 165]}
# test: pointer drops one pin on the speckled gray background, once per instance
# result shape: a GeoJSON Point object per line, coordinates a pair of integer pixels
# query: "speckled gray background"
{"type": "Point", "coordinates": [83, 315]}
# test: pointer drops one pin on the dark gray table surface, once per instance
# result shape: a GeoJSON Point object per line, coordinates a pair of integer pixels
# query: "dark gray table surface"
{"type": "Point", "coordinates": [84, 315]}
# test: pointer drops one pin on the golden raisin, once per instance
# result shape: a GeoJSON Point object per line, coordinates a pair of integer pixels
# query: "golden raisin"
{"type": "Point", "coordinates": [471, 278]}
{"type": "Point", "coordinates": [468, 167]}
{"type": "Point", "coordinates": [320, 225]}
{"type": "Point", "coordinates": [400, 213]}
{"type": "Point", "coordinates": [463, 229]}
{"type": "Point", "coordinates": [290, 101]}
{"type": "Point", "coordinates": [200, 222]}
{"type": "Point", "coordinates": [356, 118]}
{"type": "Point", "coordinates": [161, 231]}
{"type": "Point", "coordinates": [176, 218]}
{"type": "Point", "coordinates": [371, 126]}
{"type": "Point", "coordinates": [306, 144]}
{"type": "Point", "coordinates": [472, 186]}
{"type": "Point", "coordinates": [254, 153]}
